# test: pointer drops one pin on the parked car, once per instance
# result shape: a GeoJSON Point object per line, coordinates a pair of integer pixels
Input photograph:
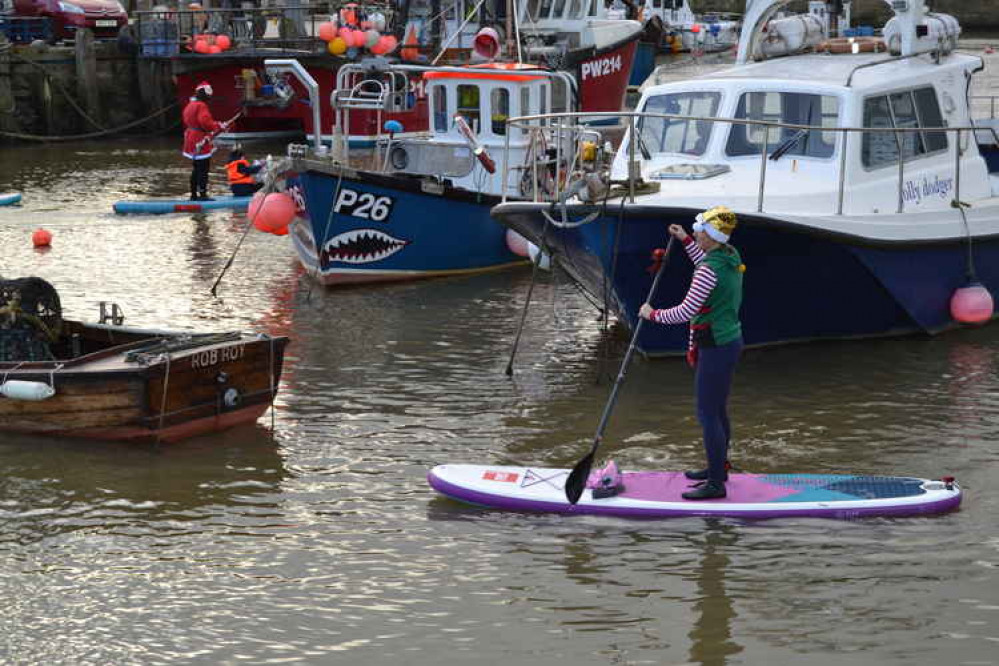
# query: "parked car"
{"type": "Point", "coordinates": [104, 17]}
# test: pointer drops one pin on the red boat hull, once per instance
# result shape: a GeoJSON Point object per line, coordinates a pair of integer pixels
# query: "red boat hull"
{"type": "Point", "coordinates": [264, 115]}
{"type": "Point", "coordinates": [602, 76]}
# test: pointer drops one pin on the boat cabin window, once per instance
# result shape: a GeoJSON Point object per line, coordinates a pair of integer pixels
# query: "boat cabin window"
{"type": "Point", "coordinates": [576, 9]}
{"type": "Point", "coordinates": [500, 110]}
{"type": "Point", "coordinates": [468, 105]}
{"type": "Point", "coordinates": [438, 95]}
{"type": "Point", "coordinates": [558, 9]}
{"type": "Point", "coordinates": [784, 107]}
{"type": "Point", "coordinates": [912, 108]}
{"type": "Point", "coordinates": [673, 135]}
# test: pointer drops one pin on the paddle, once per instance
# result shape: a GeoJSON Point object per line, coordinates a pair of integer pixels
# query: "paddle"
{"type": "Point", "coordinates": [576, 482]}
{"type": "Point", "coordinates": [222, 127]}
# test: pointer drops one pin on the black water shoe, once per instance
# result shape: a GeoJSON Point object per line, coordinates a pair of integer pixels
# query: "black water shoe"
{"type": "Point", "coordinates": [702, 474]}
{"type": "Point", "coordinates": [706, 490]}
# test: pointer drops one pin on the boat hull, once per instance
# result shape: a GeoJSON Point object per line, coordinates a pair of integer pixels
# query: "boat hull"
{"type": "Point", "coordinates": [141, 390]}
{"type": "Point", "coordinates": [800, 284]}
{"type": "Point", "coordinates": [603, 75]}
{"type": "Point", "coordinates": [369, 227]}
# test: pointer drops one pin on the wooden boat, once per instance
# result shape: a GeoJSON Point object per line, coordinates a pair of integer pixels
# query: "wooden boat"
{"type": "Point", "coordinates": [107, 381]}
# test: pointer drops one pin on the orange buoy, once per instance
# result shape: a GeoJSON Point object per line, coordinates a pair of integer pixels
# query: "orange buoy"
{"type": "Point", "coordinates": [410, 42]}
{"type": "Point", "coordinates": [41, 238]}
{"type": "Point", "coordinates": [971, 304]}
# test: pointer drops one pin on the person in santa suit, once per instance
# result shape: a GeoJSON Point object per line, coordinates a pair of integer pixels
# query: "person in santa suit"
{"type": "Point", "coordinates": [199, 130]}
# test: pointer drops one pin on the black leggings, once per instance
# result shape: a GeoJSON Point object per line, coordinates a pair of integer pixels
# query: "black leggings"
{"type": "Point", "coordinates": [199, 175]}
{"type": "Point", "coordinates": [245, 189]}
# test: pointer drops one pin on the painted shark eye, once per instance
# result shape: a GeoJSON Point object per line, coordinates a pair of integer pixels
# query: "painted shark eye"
{"type": "Point", "coordinates": [362, 246]}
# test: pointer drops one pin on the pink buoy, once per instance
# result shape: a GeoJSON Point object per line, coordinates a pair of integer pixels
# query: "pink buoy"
{"type": "Point", "coordinates": [327, 31]}
{"type": "Point", "coordinates": [517, 244]}
{"type": "Point", "coordinates": [223, 42]}
{"type": "Point", "coordinates": [41, 238]}
{"type": "Point", "coordinates": [971, 304]}
{"type": "Point", "coordinates": [272, 212]}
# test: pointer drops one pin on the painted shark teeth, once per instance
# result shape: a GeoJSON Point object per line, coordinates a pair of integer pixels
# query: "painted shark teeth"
{"type": "Point", "coordinates": [361, 246]}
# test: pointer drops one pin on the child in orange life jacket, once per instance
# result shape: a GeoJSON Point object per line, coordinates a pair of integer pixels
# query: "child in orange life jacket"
{"type": "Point", "coordinates": [240, 173]}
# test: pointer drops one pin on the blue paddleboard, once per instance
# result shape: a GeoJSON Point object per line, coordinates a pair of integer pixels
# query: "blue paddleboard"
{"type": "Point", "coordinates": [10, 199]}
{"type": "Point", "coordinates": [161, 206]}
{"type": "Point", "coordinates": [658, 494]}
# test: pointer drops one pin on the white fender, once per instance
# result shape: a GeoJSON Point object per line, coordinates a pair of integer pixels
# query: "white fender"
{"type": "Point", "coordinates": [17, 389]}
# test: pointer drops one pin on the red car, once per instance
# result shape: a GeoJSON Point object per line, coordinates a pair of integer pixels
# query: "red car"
{"type": "Point", "coordinates": [104, 17]}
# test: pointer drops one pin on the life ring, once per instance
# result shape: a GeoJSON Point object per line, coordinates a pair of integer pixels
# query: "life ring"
{"type": "Point", "coordinates": [479, 151]}
{"type": "Point", "coordinates": [845, 45]}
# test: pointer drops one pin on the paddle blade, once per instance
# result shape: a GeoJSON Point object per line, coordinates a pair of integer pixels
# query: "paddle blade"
{"type": "Point", "coordinates": [576, 482]}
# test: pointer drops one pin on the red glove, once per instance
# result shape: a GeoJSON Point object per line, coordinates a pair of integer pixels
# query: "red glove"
{"type": "Point", "coordinates": [692, 356]}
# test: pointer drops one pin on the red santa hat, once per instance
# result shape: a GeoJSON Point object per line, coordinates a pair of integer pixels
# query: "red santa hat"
{"type": "Point", "coordinates": [204, 85]}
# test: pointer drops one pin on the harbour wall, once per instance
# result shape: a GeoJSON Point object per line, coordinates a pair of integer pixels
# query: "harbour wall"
{"type": "Point", "coordinates": [87, 89]}
{"type": "Point", "coordinates": [980, 14]}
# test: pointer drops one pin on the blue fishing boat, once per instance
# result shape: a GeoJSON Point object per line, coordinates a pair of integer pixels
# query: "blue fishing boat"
{"type": "Point", "coordinates": [163, 206]}
{"type": "Point", "coordinates": [422, 209]}
{"type": "Point", "coordinates": [10, 199]}
{"type": "Point", "coordinates": [865, 206]}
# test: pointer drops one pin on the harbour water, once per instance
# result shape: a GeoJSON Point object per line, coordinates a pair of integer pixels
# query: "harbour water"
{"type": "Point", "coordinates": [313, 537]}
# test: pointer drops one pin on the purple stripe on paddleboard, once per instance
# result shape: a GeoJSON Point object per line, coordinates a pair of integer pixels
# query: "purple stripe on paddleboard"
{"type": "Point", "coordinates": [696, 508]}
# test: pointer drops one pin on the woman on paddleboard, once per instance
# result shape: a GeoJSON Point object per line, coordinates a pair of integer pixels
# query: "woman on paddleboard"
{"type": "Point", "coordinates": [712, 308]}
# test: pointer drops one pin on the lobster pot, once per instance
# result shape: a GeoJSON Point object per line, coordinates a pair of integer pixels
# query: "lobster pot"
{"type": "Point", "coordinates": [791, 35]}
{"type": "Point", "coordinates": [942, 31]}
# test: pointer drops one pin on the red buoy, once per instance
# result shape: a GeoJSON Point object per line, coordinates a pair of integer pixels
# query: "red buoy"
{"type": "Point", "coordinates": [272, 212]}
{"type": "Point", "coordinates": [41, 238]}
{"type": "Point", "coordinates": [971, 304]}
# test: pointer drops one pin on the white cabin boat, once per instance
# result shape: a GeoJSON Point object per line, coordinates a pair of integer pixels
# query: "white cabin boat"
{"type": "Point", "coordinates": [864, 200]}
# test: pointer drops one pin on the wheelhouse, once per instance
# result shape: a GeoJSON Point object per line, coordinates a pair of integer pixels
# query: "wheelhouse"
{"type": "Point", "coordinates": [865, 124]}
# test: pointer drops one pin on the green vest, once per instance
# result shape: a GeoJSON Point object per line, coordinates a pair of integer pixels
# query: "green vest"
{"type": "Point", "coordinates": [726, 298]}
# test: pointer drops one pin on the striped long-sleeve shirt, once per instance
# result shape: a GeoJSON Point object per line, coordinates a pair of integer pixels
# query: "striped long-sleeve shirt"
{"type": "Point", "coordinates": [701, 284]}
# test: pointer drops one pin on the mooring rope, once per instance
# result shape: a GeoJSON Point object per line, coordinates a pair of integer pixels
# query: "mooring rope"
{"type": "Point", "coordinates": [163, 401]}
{"type": "Point", "coordinates": [91, 135]}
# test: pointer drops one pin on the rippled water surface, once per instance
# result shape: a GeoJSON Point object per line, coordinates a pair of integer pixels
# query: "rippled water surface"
{"type": "Point", "coordinates": [313, 537]}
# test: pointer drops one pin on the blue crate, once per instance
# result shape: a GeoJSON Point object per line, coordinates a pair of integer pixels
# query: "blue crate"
{"type": "Point", "coordinates": [159, 47]}
{"type": "Point", "coordinates": [25, 29]}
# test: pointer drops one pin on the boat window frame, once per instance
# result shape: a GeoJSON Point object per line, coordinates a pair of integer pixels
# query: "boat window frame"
{"type": "Point", "coordinates": [441, 124]}
{"type": "Point", "coordinates": [741, 94]}
{"type": "Point", "coordinates": [924, 137]}
{"type": "Point", "coordinates": [719, 101]}
{"type": "Point", "coordinates": [474, 121]}
{"type": "Point", "coordinates": [501, 94]}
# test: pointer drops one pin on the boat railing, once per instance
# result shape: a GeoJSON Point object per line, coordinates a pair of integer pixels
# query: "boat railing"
{"type": "Point", "coordinates": [560, 129]}
{"type": "Point", "coordinates": [982, 102]}
{"type": "Point", "coordinates": [171, 33]}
